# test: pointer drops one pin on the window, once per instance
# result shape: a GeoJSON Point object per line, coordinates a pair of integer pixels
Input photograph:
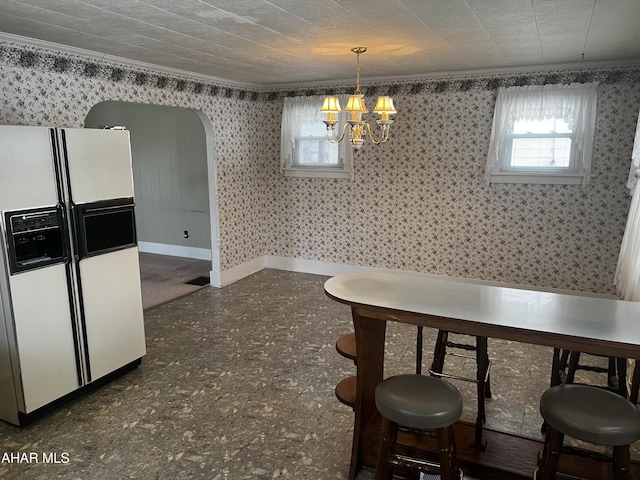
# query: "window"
{"type": "Point", "coordinates": [542, 134]}
{"type": "Point", "coordinates": [313, 149]}
{"type": "Point", "coordinates": [540, 145]}
{"type": "Point", "coordinates": [305, 150]}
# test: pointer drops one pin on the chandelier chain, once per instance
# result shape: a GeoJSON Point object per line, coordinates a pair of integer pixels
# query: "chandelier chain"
{"type": "Point", "coordinates": [358, 51]}
{"type": "Point", "coordinates": [358, 74]}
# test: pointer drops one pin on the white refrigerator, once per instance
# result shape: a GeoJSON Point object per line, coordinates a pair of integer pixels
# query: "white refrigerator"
{"type": "Point", "coordinates": [70, 297]}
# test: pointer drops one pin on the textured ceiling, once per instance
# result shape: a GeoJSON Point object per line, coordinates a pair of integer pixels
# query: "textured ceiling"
{"type": "Point", "coordinates": [282, 42]}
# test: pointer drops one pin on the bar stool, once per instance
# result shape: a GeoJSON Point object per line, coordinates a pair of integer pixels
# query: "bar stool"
{"type": "Point", "coordinates": [566, 363]}
{"type": "Point", "coordinates": [418, 403]}
{"type": "Point", "coordinates": [482, 380]}
{"type": "Point", "coordinates": [616, 371]}
{"type": "Point", "coordinates": [591, 414]}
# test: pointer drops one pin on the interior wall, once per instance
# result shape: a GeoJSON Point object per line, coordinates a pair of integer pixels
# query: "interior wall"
{"type": "Point", "coordinates": [169, 170]}
{"type": "Point", "coordinates": [420, 202]}
{"type": "Point", "coordinates": [42, 86]}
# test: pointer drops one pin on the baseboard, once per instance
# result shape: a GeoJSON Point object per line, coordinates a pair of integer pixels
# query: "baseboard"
{"type": "Point", "coordinates": [175, 250]}
{"type": "Point", "coordinates": [226, 277]}
{"type": "Point", "coordinates": [316, 267]}
{"type": "Point", "coordinates": [331, 269]}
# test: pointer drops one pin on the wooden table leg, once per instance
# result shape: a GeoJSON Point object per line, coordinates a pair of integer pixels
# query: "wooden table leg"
{"type": "Point", "coordinates": [482, 366]}
{"type": "Point", "coordinates": [370, 340]}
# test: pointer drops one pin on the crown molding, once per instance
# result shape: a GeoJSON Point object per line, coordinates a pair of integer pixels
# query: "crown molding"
{"type": "Point", "coordinates": [97, 56]}
{"type": "Point", "coordinates": [90, 54]}
{"type": "Point", "coordinates": [464, 73]}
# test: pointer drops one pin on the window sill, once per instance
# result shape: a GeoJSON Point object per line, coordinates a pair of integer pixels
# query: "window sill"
{"type": "Point", "coordinates": [537, 178]}
{"type": "Point", "coordinates": [313, 172]}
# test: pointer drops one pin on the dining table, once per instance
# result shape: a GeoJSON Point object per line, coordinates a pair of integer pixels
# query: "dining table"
{"type": "Point", "coordinates": [587, 323]}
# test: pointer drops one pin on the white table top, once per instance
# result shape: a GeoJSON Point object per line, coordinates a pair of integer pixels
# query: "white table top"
{"type": "Point", "coordinates": [596, 320]}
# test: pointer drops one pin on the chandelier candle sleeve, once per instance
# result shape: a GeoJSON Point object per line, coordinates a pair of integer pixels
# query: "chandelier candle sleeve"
{"type": "Point", "coordinates": [356, 107]}
{"type": "Point", "coordinates": [331, 106]}
{"type": "Point", "coordinates": [355, 125]}
{"type": "Point", "coordinates": [384, 107]}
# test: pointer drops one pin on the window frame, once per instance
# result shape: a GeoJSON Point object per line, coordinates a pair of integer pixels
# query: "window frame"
{"type": "Point", "coordinates": [507, 158]}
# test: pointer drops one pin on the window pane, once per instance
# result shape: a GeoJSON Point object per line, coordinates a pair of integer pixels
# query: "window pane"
{"type": "Point", "coordinates": [541, 152]}
{"type": "Point", "coordinates": [315, 151]}
{"type": "Point", "coordinates": [554, 125]}
{"type": "Point", "coordinates": [313, 148]}
{"type": "Point", "coordinates": [313, 130]}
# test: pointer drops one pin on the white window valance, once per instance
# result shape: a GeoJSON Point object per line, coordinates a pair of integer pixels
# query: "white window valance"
{"type": "Point", "coordinates": [575, 104]}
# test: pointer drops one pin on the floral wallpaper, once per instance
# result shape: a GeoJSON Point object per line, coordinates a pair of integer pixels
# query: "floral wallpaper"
{"type": "Point", "coordinates": [44, 87]}
{"type": "Point", "coordinates": [420, 202]}
{"type": "Point", "coordinates": [417, 203]}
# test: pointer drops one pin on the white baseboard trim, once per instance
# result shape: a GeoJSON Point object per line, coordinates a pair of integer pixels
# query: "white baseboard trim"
{"type": "Point", "coordinates": [175, 250]}
{"type": "Point", "coordinates": [317, 267]}
{"type": "Point", "coordinates": [331, 269]}
{"type": "Point", "coordinates": [226, 277]}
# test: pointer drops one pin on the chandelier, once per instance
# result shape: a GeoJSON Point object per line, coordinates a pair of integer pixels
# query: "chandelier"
{"type": "Point", "coordinates": [357, 127]}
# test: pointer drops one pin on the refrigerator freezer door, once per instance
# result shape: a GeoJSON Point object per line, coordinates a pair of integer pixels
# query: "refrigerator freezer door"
{"type": "Point", "coordinates": [112, 300]}
{"type": "Point", "coordinates": [8, 400]}
{"type": "Point", "coordinates": [26, 153]}
{"type": "Point", "coordinates": [44, 334]}
{"type": "Point", "coordinates": [99, 164]}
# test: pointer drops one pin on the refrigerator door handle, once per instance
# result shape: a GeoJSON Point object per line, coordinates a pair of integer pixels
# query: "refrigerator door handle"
{"type": "Point", "coordinates": [78, 345]}
{"type": "Point", "coordinates": [74, 286]}
{"type": "Point", "coordinates": [66, 239]}
{"type": "Point", "coordinates": [107, 209]}
{"type": "Point", "coordinates": [74, 232]}
{"type": "Point", "coordinates": [82, 326]}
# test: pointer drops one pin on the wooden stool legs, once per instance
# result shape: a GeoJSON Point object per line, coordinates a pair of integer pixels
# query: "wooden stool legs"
{"type": "Point", "coordinates": [550, 454]}
{"type": "Point", "coordinates": [621, 462]}
{"type": "Point", "coordinates": [591, 414]}
{"type": "Point", "coordinates": [616, 371]}
{"type": "Point", "coordinates": [553, 447]}
{"type": "Point", "coordinates": [449, 468]}
{"type": "Point", "coordinates": [388, 438]}
{"type": "Point", "coordinates": [482, 380]}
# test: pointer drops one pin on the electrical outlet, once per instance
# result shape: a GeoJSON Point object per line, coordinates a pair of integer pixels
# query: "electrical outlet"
{"type": "Point", "coordinates": [186, 234]}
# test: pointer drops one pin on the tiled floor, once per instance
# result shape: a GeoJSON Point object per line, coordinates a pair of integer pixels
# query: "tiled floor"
{"type": "Point", "coordinates": [238, 384]}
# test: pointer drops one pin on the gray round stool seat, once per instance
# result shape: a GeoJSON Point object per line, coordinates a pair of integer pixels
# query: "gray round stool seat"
{"type": "Point", "coordinates": [419, 401]}
{"type": "Point", "coordinates": [591, 414]}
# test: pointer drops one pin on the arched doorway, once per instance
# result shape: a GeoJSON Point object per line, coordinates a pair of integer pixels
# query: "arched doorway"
{"type": "Point", "coordinates": [174, 178]}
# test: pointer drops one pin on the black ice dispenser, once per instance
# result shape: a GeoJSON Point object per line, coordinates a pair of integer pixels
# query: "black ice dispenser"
{"type": "Point", "coordinates": [35, 238]}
